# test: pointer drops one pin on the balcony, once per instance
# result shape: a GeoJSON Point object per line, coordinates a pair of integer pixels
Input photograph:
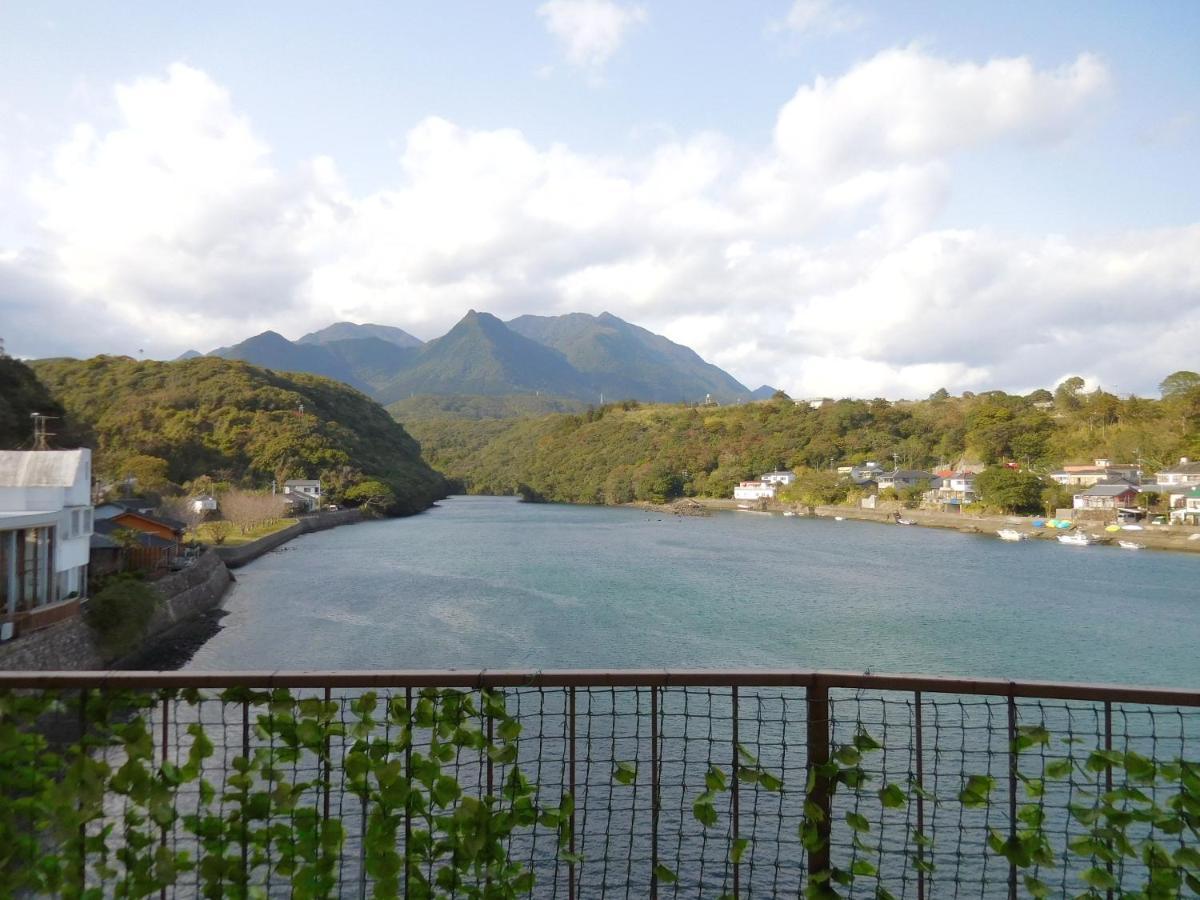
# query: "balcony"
{"type": "Point", "coordinates": [573, 784]}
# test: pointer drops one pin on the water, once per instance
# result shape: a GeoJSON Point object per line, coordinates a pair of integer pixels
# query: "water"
{"type": "Point", "coordinates": [490, 582]}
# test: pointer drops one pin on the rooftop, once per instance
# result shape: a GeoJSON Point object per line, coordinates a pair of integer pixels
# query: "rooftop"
{"type": "Point", "coordinates": [42, 468]}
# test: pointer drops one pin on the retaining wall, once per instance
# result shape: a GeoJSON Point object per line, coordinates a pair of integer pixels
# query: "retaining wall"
{"type": "Point", "coordinates": [234, 557]}
{"type": "Point", "coordinates": [73, 645]}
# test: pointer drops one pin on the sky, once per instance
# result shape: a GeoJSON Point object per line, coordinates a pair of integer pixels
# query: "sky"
{"type": "Point", "coordinates": [832, 197]}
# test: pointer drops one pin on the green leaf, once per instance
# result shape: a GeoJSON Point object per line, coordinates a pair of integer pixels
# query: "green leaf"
{"type": "Point", "coordinates": [715, 779]}
{"type": "Point", "coordinates": [665, 875]}
{"type": "Point", "coordinates": [738, 849]}
{"type": "Point", "coordinates": [977, 791]}
{"type": "Point", "coordinates": [864, 742]}
{"type": "Point", "coordinates": [1058, 769]}
{"type": "Point", "coordinates": [892, 796]}
{"type": "Point", "coordinates": [1098, 878]}
{"type": "Point", "coordinates": [625, 773]}
{"type": "Point", "coordinates": [863, 867]}
{"type": "Point", "coordinates": [857, 822]}
{"type": "Point", "coordinates": [1036, 887]}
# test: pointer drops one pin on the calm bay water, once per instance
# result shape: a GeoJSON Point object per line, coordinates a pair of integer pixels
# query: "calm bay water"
{"type": "Point", "coordinates": [490, 582]}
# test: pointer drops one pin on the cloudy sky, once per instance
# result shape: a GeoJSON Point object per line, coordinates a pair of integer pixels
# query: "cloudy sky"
{"type": "Point", "coordinates": [836, 198]}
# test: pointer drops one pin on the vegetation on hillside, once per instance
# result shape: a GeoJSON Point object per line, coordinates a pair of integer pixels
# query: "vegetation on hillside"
{"type": "Point", "coordinates": [21, 395]}
{"type": "Point", "coordinates": [622, 452]}
{"type": "Point", "coordinates": [170, 424]}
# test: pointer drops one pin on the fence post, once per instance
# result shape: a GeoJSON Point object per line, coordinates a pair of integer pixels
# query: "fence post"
{"type": "Point", "coordinates": [408, 779]}
{"type": "Point", "coordinates": [166, 715]}
{"type": "Point", "coordinates": [819, 796]}
{"type": "Point", "coordinates": [735, 800]}
{"type": "Point", "coordinates": [83, 749]}
{"type": "Point", "coordinates": [653, 793]}
{"type": "Point", "coordinates": [571, 836]}
{"type": "Point", "coordinates": [1012, 790]}
{"type": "Point", "coordinates": [920, 742]}
{"type": "Point", "coordinates": [328, 760]}
{"type": "Point", "coordinates": [1108, 778]}
{"type": "Point", "coordinates": [245, 823]}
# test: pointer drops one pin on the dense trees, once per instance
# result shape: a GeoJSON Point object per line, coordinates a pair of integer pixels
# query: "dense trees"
{"type": "Point", "coordinates": [614, 454]}
{"type": "Point", "coordinates": [21, 394]}
{"type": "Point", "coordinates": [167, 424]}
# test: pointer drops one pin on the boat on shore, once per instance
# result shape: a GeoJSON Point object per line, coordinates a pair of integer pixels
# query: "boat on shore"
{"type": "Point", "coordinates": [789, 513]}
{"type": "Point", "coordinates": [1011, 534]}
{"type": "Point", "coordinates": [902, 521]}
{"type": "Point", "coordinates": [1076, 539]}
{"type": "Point", "coordinates": [1130, 545]}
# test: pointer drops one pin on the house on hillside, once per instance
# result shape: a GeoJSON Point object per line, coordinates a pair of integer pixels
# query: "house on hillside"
{"type": "Point", "coordinates": [754, 490]}
{"type": "Point", "coordinates": [1176, 481]}
{"type": "Point", "coordinates": [1188, 512]}
{"type": "Point", "coordinates": [1103, 470]}
{"type": "Point", "coordinates": [1107, 496]}
{"type": "Point", "coordinates": [304, 494]}
{"type": "Point", "coordinates": [46, 520]}
{"type": "Point", "coordinates": [780, 477]}
{"type": "Point", "coordinates": [951, 490]}
{"type": "Point", "coordinates": [110, 508]}
{"type": "Point", "coordinates": [203, 505]}
{"type": "Point", "coordinates": [903, 478]}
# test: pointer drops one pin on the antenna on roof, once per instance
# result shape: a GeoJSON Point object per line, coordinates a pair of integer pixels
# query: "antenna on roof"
{"type": "Point", "coordinates": [41, 437]}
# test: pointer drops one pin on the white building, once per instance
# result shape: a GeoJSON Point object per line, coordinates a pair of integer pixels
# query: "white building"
{"type": "Point", "coordinates": [303, 491]}
{"type": "Point", "coordinates": [1177, 481]}
{"type": "Point", "coordinates": [754, 490]}
{"type": "Point", "coordinates": [784, 478]}
{"type": "Point", "coordinates": [45, 528]}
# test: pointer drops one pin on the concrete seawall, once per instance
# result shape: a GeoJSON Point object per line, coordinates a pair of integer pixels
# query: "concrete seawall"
{"type": "Point", "coordinates": [73, 644]}
{"type": "Point", "coordinates": [233, 557]}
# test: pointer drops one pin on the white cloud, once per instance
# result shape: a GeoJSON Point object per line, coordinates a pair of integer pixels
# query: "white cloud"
{"type": "Point", "coordinates": [820, 17]}
{"type": "Point", "coordinates": [590, 31]}
{"type": "Point", "coordinates": [816, 263]}
{"type": "Point", "coordinates": [906, 106]}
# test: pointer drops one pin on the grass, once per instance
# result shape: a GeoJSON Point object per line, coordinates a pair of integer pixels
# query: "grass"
{"type": "Point", "coordinates": [236, 537]}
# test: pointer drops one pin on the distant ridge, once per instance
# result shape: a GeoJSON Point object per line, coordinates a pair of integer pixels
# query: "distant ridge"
{"type": "Point", "coordinates": [578, 357]}
{"type": "Point", "coordinates": [347, 331]}
{"type": "Point", "coordinates": [627, 361]}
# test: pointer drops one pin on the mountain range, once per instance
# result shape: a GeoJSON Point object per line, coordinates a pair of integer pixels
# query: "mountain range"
{"type": "Point", "coordinates": [576, 356]}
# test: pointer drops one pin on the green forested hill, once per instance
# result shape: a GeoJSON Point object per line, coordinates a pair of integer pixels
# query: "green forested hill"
{"type": "Point", "coordinates": [628, 451]}
{"type": "Point", "coordinates": [21, 394]}
{"type": "Point", "coordinates": [234, 422]}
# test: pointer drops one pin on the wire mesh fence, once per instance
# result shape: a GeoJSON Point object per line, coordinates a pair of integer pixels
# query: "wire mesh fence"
{"type": "Point", "coordinates": [594, 785]}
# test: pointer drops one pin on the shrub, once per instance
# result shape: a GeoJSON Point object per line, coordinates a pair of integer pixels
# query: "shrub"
{"type": "Point", "coordinates": [120, 613]}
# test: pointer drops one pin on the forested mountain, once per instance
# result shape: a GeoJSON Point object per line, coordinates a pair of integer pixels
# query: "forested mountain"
{"type": "Point", "coordinates": [620, 452]}
{"type": "Point", "coordinates": [480, 355]}
{"type": "Point", "coordinates": [625, 361]}
{"type": "Point", "coordinates": [575, 357]}
{"type": "Point", "coordinates": [173, 422]}
{"type": "Point", "coordinates": [348, 331]}
{"type": "Point", "coordinates": [21, 395]}
{"type": "Point", "coordinates": [271, 350]}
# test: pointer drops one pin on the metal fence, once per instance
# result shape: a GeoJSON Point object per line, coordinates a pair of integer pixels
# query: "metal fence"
{"type": "Point", "coordinates": [581, 784]}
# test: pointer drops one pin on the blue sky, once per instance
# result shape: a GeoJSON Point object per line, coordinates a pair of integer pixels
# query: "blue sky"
{"type": "Point", "coordinates": [287, 165]}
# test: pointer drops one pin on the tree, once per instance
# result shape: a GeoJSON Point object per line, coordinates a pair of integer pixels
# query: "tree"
{"type": "Point", "coordinates": [939, 395]}
{"type": "Point", "coordinates": [372, 496]}
{"type": "Point", "coordinates": [1179, 383]}
{"type": "Point", "coordinates": [148, 473]}
{"type": "Point", "coordinates": [249, 510]}
{"type": "Point", "coordinates": [1041, 395]}
{"type": "Point", "coordinates": [817, 487]}
{"type": "Point", "coordinates": [1066, 395]}
{"type": "Point", "coordinates": [1010, 490]}
{"type": "Point", "coordinates": [218, 530]}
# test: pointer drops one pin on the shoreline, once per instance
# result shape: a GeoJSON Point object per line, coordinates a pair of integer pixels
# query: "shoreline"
{"type": "Point", "coordinates": [1160, 537]}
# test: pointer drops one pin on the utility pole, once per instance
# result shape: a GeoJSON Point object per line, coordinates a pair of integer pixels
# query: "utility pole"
{"type": "Point", "coordinates": [41, 437]}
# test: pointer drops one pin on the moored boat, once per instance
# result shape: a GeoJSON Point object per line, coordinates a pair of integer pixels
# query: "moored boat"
{"type": "Point", "coordinates": [1075, 539]}
{"type": "Point", "coordinates": [1011, 534]}
{"type": "Point", "coordinates": [1130, 545]}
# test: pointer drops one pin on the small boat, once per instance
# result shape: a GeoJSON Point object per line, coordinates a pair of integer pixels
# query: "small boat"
{"type": "Point", "coordinates": [901, 521]}
{"type": "Point", "coordinates": [1130, 545]}
{"type": "Point", "coordinates": [1076, 539]}
{"type": "Point", "coordinates": [1132, 528]}
{"type": "Point", "coordinates": [1011, 534]}
{"type": "Point", "coordinates": [788, 512]}
{"type": "Point", "coordinates": [839, 518]}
